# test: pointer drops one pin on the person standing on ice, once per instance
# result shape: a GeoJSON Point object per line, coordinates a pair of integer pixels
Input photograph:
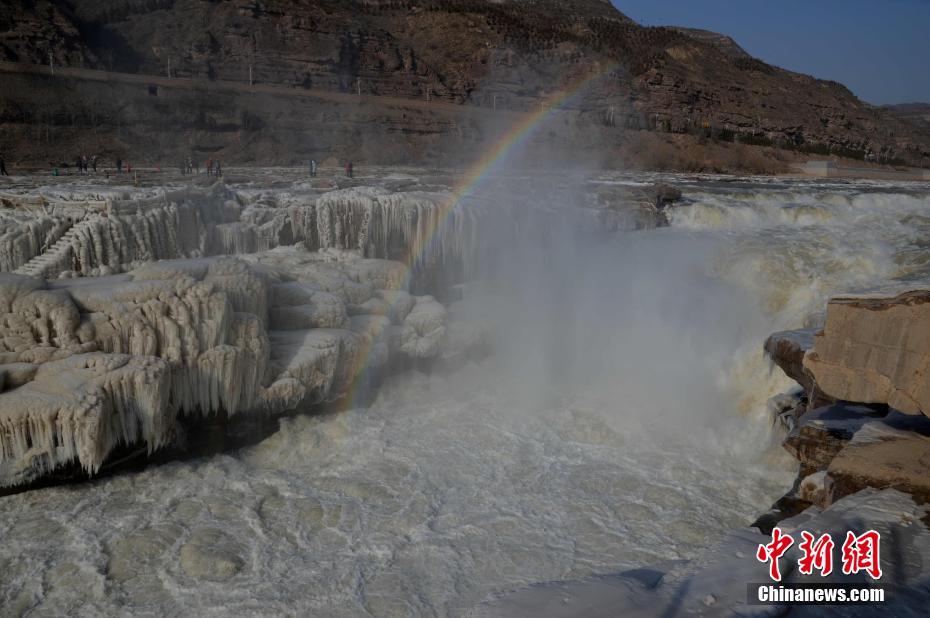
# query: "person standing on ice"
{"type": "Point", "coordinates": [93, 163]}
{"type": "Point", "coordinates": [313, 167]}
{"type": "Point", "coordinates": [119, 166]}
{"type": "Point", "coordinates": [3, 171]}
{"type": "Point", "coordinates": [350, 170]}
{"type": "Point", "coordinates": [209, 167]}
{"type": "Point", "coordinates": [219, 170]}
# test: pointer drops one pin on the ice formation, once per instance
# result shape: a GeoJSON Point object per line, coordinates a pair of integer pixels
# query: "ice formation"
{"type": "Point", "coordinates": [123, 231]}
{"type": "Point", "coordinates": [92, 363]}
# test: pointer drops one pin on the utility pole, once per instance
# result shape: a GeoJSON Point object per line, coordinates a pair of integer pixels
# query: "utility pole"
{"type": "Point", "coordinates": [51, 64]}
{"type": "Point", "coordinates": [358, 85]}
{"type": "Point", "coordinates": [169, 67]}
{"type": "Point", "coordinates": [250, 76]}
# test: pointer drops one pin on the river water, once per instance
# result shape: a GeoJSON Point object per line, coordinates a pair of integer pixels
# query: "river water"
{"type": "Point", "coordinates": [620, 422]}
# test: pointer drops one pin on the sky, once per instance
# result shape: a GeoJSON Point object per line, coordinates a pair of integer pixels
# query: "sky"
{"type": "Point", "coordinates": [880, 49]}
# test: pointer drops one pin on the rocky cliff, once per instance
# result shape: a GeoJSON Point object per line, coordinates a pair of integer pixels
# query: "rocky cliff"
{"type": "Point", "coordinates": [470, 53]}
{"type": "Point", "coordinates": [862, 418]}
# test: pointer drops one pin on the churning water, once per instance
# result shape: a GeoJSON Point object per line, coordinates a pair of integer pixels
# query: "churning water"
{"type": "Point", "coordinates": [620, 422]}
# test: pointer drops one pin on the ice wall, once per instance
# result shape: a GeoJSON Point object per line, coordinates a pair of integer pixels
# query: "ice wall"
{"type": "Point", "coordinates": [425, 228]}
{"type": "Point", "coordinates": [24, 235]}
{"type": "Point", "coordinates": [91, 363]}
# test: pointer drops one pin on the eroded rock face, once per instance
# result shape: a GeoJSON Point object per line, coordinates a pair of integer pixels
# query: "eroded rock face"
{"type": "Point", "coordinates": [876, 350]}
{"type": "Point", "coordinates": [787, 349]}
{"type": "Point", "coordinates": [92, 363]}
{"type": "Point", "coordinates": [824, 432]}
{"type": "Point", "coordinates": [889, 454]}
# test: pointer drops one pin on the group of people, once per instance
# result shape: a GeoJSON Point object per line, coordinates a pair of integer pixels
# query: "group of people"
{"type": "Point", "coordinates": [192, 166]}
{"type": "Point", "coordinates": [82, 163]}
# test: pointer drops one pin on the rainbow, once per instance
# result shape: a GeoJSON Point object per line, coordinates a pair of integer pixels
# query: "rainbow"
{"type": "Point", "coordinates": [482, 169]}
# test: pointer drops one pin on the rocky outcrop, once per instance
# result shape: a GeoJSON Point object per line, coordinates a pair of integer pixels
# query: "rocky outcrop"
{"type": "Point", "coordinates": [90, 364]}
{"type": "Point", "coordinates": [860, 423]}
{"type": "Point", "coordinates": [787, 349]}
{"type": "Point", "coordinates": [476, 56]}
{"type": "Point", "coordinates": [823, 432]}
{"type": "Point", "coordinates": [894, 453]}
{"type": "Point", "coordinates": [875, 350]}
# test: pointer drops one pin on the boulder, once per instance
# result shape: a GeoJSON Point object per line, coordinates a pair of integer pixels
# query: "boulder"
{"type": "Point", "coordinates": [875, 350]}
{"type": "Point", "coordinates": [665, 195]}
{"type": "Point", "coordinates": [787, 349]}
{"type": "Point", "coordinates": [890, 453]}
{"type": "Point", "coordinates": [822, 433]}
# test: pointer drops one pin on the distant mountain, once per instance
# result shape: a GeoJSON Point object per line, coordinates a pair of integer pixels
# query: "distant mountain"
{"type": "Point", "coordinates": [503, 54]}
{"type": "Point", "coordinates": [917, 114]}
{"type": "Point", "coordinates": [721, 41]}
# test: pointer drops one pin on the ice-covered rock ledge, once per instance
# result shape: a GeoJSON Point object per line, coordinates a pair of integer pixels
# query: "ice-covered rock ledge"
{"type": "Point", "coordinates": [861, 420]}
{"type": "Point", "coordinates": [93, 364]}
{"type": "Point", "coordinates": [93, 237]}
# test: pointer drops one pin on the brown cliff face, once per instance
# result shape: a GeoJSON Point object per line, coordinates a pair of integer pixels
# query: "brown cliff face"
{"type": "Point", "coordinates": [506, 55]}
{"type": "Point", "coordinates": [917, 114]}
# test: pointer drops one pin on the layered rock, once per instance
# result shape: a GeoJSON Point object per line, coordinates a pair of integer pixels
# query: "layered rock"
{"type": "Point", "coordinates": [488, 55]}
{"type": "Point", "coordinates": [876, 350]}
{"type": "Point", "coordinates": [894, 453]}
{"type": "Point", "coordinates": [871, 359]}
{"type": "Point", "coordinates": [824, 432]}
{"type": "Point", "coordinates": [787, 349]}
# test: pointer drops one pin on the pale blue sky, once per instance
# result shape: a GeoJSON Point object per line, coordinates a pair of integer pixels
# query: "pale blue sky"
{"type": "Point", "coordinates": [880, 49]}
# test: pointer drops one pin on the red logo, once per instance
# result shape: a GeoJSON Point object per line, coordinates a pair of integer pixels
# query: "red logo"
{"type": "Point", "coordinates": [860, 553]}
{"type": "Point", "coordinates": [773, 551]}
{"type": "Point", "coordinates": [817, 554]}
